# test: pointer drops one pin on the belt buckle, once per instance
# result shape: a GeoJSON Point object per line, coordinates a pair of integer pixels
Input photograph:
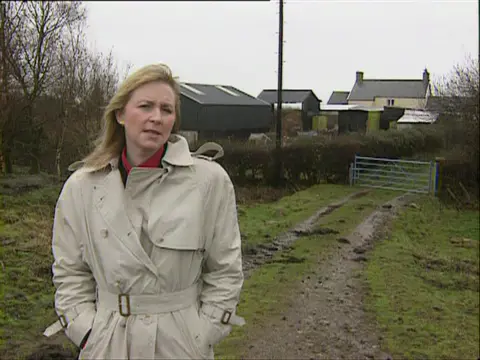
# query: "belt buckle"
{"type": "Point", "coordinates": [226, 317]}
{"type": "Point", "coordinates": [127, 304]}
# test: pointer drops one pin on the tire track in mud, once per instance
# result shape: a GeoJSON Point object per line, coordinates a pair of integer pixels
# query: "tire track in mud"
{"type": "Point", "coordinates": [263, 253]}
{"type": "Point", "coordinates": [327, 319]}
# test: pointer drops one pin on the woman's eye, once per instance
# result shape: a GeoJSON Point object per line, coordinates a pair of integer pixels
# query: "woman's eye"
{"type": "Point", "coordinates": [144, 106]}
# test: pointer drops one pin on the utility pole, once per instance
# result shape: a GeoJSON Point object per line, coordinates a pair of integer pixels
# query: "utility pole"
{"type": "Point", "coordinates": [278, 158]}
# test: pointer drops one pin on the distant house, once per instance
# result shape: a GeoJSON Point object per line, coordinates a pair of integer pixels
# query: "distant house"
{"type": "Point", "coordinates": [376, 93]}
{"type": "Point", "coordinates": [304, 100]}
{"type": "Point", "coordinates": [219, 111]}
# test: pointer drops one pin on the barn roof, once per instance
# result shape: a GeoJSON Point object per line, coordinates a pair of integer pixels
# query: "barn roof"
{"type": "Point", "coordinates": [218, 95]}
{"type": "Point", "coordinates": [288, 96]}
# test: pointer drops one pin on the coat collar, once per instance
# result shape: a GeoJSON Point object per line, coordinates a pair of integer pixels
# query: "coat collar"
{"type": "Point", "coordinates": [177, 154]}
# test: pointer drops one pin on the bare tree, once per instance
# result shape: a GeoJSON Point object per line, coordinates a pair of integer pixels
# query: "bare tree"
{"type": "Point", "coordinates": [44, 25]}
{"type": "Point", "coordinates": [458, 94]}
{"type": "Point", "coordinates": [72, 57]}
{"type": "Point", "coordinates": [11, 21]}
{"type": "Point", "coordinates": [54, 88]}
{"type": "Point", "coordinates": [99, 85]}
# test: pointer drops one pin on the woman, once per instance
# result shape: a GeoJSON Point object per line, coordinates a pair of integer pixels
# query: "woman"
{"type": "Point", "coordinates": [146, 239]}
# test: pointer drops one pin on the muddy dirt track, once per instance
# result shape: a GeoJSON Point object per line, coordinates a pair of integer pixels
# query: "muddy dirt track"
{"type": "Point", "coordinates": [327, 319]}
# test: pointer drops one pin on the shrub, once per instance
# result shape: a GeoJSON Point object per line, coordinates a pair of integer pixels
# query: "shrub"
{"type": "Point", "coordinates": [460, 176]}
{"type": "Point", "coordinates": [308, 161]}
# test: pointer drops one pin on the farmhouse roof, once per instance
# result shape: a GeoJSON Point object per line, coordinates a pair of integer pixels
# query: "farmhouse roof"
{"type": "Point", "coordinates": [369, 89]}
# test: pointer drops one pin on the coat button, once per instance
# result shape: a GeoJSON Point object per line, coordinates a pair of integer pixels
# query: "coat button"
{"type": "Point", "coordinates": [104, 233]}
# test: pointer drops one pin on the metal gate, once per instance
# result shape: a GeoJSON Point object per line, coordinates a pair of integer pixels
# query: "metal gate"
{"type": "Point", "coordinates": [391, 174]}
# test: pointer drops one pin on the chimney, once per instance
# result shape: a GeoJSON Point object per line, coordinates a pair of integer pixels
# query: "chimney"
{"type": "Point", "coordinates": [359, 77]}
{"type": "Point", "coordinates": [426, 77]}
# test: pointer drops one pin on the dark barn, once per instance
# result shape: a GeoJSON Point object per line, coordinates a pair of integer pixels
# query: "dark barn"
{"type": "Point", "coordinates": [307, 101]}
{"type": "Point", "coordinates": [220, 111]}
{"type": "Point", "coordinates": [352, 121]}
{"type": "Point", "coordinates": [390, 115]}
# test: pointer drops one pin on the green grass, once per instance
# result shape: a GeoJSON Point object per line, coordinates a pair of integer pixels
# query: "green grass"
{"type": "Point", "coordinates": [272, 288]}
{"type": "Point", "coordinates": [260, 223]}
{"type": "Point", "coordinates": [424, 284]}
{"type": "Point", "coordinates": [26, 290]}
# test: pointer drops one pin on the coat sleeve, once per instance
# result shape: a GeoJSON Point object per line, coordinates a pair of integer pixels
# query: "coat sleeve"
{"type": "Point", "coordinates": [222, 274]}
{"type": "Point", "coordinates": [73, 280]}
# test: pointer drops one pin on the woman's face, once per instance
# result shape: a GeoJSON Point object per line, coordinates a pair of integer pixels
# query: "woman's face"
{"type": "Point", "coordinates": [148, 117]}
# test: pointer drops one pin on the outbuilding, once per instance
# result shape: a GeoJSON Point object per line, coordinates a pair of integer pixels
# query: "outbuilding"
{"type": "Point", "coordinates": [304, 101]}
{"type": "Point", "coordinates": [222, 111]}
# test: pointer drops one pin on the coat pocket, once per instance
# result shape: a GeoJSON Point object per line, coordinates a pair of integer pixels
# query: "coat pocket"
{"type": "Point", "coordinates": [198, 332]}
{"type": "Point", "coordinates": [219, 331]}
{"type": "Point", "coordinates": [100, 323]}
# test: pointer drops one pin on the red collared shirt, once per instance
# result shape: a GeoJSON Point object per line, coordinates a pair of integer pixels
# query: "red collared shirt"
{"type": "Point", "coordinates": [152, 162]}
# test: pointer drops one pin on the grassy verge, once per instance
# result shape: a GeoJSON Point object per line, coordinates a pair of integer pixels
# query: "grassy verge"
{"type": "Point", "coordinates": [271, 289]}
{"type": "Point", "coordinates": [26, 292]}
{"type": "Point", "coordinates": [425, 284]}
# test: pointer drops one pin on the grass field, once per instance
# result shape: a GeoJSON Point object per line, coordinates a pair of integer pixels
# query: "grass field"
{"type": "Point", "coordinates": [26, 291]}
{"type": "Point", "coordinates": [425, 284]}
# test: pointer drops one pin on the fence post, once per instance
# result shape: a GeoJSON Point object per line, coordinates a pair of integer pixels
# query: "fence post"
{"type": "Point", "coordinates": [350, 174]}
{"type": "Point", "coordinates": [431, 178]}
{"type": "Point", "coordinates": [439, 161]}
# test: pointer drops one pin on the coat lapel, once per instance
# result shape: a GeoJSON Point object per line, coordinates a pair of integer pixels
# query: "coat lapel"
{"type": "Point", "coordinates": [109, 200]}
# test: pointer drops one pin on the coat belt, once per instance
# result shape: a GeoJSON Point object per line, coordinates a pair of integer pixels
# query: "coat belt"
{"type": "Point", "coordinates": [143, 304]}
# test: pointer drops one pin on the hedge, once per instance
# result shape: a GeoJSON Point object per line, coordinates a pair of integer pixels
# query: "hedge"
{"type": "Point", "coordinates": [318, 159]}
{"type": "Point", "coordinates": [460, 176]}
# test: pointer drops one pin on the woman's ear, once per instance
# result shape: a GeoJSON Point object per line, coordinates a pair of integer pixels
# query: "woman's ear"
{"type": "Point", "coordinates": [118, 116]}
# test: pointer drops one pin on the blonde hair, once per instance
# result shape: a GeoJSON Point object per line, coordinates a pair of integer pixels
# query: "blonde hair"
{"type": "Point", "coordinates": [112, 139]}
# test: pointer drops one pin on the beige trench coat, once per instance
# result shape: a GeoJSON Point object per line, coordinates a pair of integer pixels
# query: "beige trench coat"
{"type": "Point", "coordinates": [174, 299]}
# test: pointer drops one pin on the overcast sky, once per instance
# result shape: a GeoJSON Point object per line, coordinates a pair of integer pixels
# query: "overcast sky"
{"type": "Point", "coordinates": [326, 42]}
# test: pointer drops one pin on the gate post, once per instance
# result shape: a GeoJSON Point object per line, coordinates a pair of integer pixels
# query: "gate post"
{"type": "Point", "coordinates": [431, 178]}
{"type": "Point", "coordinates": [350, 174]}
{"type": "Point", "coordinates": [439, 161]}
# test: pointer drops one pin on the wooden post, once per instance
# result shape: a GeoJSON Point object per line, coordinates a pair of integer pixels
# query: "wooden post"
{"type": "Point", "coordinates": [278, 147]}
{"type": "Point", "coordinates": [439, 161]}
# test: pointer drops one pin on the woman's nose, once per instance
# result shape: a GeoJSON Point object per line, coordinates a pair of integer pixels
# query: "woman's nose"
{"type": "Point", "coordinates": [156, 115]}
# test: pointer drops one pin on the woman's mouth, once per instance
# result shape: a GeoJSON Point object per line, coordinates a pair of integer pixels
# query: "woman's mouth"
{"type": "Point", "coordinates": [152, 132]}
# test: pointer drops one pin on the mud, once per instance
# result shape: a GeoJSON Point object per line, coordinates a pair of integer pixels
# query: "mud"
{"type": "Point", "coordinates": [327, 319]}
{"type": "Point", "coordinates": [263, 253]}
